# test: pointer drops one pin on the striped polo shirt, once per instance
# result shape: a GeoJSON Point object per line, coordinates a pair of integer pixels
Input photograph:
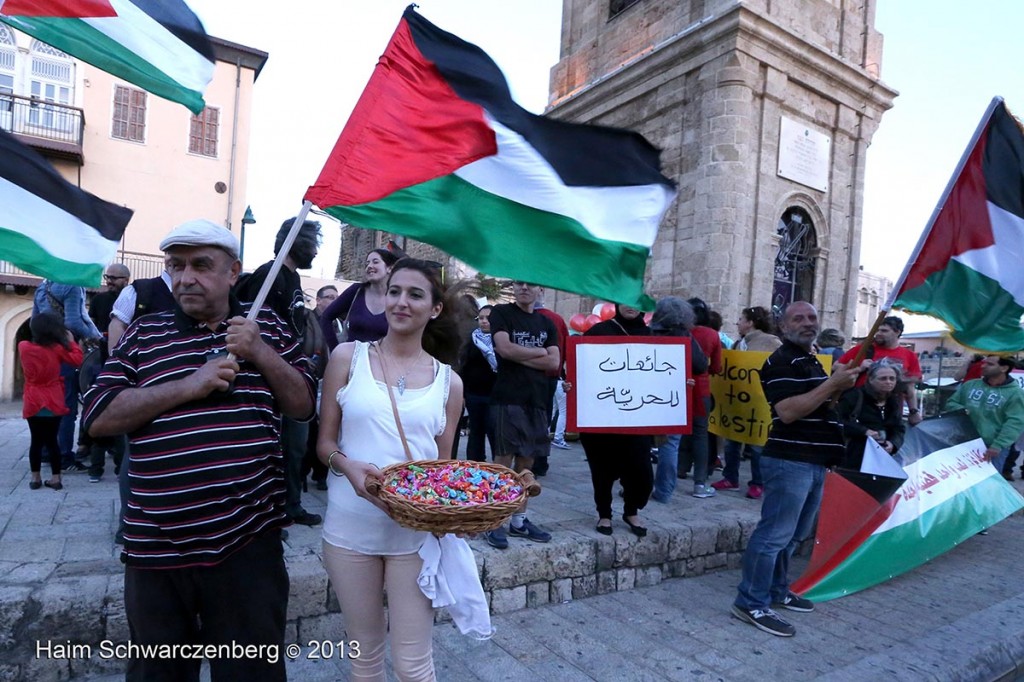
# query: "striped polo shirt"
{"type": "Point", "coordinates": [818, 437]}
{"type": "Point", "coordinates": [206, 476]}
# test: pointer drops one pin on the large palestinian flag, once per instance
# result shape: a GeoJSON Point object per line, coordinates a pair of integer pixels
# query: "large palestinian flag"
{"type": "Point", "coordinates": [946, 494]}
{"type": "Point", "coordinates": [159, 45]}
{"type": "Point", "coordinates": [48, 226]}
{"type": "Point", "coordinates": [967, 269]}
{"type": "Point", "coordinates": [437, 150]}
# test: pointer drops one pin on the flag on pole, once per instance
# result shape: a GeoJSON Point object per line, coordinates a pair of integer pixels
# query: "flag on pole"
{"type": "Point", "coordinates": [159, 45]}
{"type": "Point", "coordinates": [48, 226]}
{"type": "Point", "coordinates": [437, 150]}
{"type": "Point", "coordinates": [967, 269]}
{"type": "Point", "coordinates": [946, 493]}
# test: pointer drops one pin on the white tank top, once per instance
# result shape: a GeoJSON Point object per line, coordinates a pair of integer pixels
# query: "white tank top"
{"type": "Point", "coordinates": [369, 434]}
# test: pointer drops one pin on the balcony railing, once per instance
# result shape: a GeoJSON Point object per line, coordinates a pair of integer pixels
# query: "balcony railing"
{"type": "Point", "coordinates": [139, 264]}
{"type": "Point", "coordinates": [48, 125]}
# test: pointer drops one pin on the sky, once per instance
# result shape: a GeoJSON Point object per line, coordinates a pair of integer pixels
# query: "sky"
{"type": "Point", "coordinates": [946, 63]}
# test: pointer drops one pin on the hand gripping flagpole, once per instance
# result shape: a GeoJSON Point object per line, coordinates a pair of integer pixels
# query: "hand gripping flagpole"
{"type": "Point", "coordinates": [996, 101]}
{"type": "Point", "coordinates": [282, 253]}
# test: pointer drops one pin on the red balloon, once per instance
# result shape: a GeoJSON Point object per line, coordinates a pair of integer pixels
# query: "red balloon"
{"type": "Point", "coordinates": [648, 317]}
{"type": "Point", "coordinates": [578, 322]}
{"type": "Point", "coordinates": [607, 311]}
{"type": "Point", "coordinates": [591, 321]}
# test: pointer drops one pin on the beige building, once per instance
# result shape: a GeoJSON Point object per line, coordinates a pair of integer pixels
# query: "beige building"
{"type": "Point", "coordinates": [126, 146]}
{"type": "Point", "coordinates": [763, 110]}
{"type": "Point", "coordinates": [872, 294]}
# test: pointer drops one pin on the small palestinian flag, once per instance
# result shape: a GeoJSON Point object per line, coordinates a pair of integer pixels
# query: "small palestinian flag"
{"type": "Point", "coordinates": [159, 45]}
{"type": "Point", "coordinates": [48, 226]}
{"type": "Point", "coordinates": [967, 269]}
{"type": "Point", "coordinates": [437, 150]}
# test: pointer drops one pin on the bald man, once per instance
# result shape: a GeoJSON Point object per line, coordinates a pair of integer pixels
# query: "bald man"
{"type": "Point", "coordinates": [804, 440]}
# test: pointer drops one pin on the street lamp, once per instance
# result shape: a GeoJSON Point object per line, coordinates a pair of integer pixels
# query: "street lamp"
{"type": "Point", "coordinates": [247, 219]}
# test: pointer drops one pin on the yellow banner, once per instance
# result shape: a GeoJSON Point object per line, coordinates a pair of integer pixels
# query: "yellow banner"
{"type": "Point", "coordinates": [739, 410]}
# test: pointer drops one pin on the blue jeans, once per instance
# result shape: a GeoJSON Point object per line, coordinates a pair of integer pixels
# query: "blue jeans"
{"type": "Point", "coordinates": [66, 433]}
{"type": "Point", "coordinates": [733, 451]}
{"type": "Point", "coordinates": [1000, 460]}
{"type": "Point", "coordinates": [792, 495]}
{"type": "Point", "coordinates": [668, 467]}
{"type": "Point", "coordinates": [693, 451]}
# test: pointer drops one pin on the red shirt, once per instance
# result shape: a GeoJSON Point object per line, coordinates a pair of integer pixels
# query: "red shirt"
{"type": "Point", "coordinates": [44, 386]}
{"type": "Point", "coordinates": [563, 334]}
{"type": "Point", "coordinates": [906, 357]}
{"type": "Point", "coordinates": [711, 343]}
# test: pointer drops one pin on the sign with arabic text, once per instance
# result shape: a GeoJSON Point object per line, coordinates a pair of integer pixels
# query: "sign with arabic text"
{"type": "Point", "coordinates": [623, 384]}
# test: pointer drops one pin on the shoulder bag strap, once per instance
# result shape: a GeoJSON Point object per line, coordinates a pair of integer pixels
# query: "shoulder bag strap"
{"type": "Point", "coordinates": [394, 403]}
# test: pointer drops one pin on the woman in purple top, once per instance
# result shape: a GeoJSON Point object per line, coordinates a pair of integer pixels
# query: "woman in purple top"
{"type": "Point", "coordinates": [361, 306]}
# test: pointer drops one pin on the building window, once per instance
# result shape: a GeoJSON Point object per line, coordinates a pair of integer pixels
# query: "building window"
{"type": "Point", "coordinates": [129, 114]}
{"type": "Point", "coordinates": [617, 7]}
{"type": "Point", "coordinates": [51, 85]}
{"type": "Point", "coordinates": [794, 264]}
{"type": "Point", "coordinates": [204, 131]}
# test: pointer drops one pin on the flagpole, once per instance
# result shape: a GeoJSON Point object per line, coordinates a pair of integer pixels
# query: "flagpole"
{"type": "Point", "coordinates": [282, 253]}
{"type": "Point", "coordinates": [996, 101]}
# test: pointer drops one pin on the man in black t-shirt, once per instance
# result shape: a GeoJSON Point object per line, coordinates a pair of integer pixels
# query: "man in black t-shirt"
{"type": "Point", "coordinates": [287, 300]}
{"type": "Point", "coordinates": [805, 438]}
{"type": "Point", "coordinates": [526, 345]}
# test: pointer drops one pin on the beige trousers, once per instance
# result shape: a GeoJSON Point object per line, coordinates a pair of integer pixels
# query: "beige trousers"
{"type": "Point", "coordinates": [360, 581]}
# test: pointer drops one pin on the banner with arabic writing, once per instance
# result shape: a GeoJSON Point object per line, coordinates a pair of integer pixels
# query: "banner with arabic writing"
{"type": "Point", "coordinates": [623, 384]}
{"type": "Point", "coordinates": [739, 410]}
{"type": "Point", "coordinates": [950, 494]}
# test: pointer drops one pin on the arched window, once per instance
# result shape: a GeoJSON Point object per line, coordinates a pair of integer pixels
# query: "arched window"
{"type": "Point", "coordinates": [51, 81]}
{"type": "Point", "coordinates": [863, 296]}
{"type": "Point", "coordinates": [8, 55]}
{"type": "Point", "coordinates": [794, 264]}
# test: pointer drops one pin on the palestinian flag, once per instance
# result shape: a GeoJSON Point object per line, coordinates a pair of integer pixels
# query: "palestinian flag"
{"type": "Point", "coordinates": [967, 269]}
{"type": "Point", "coordinates": [865, 536]}
{"type": "Point", "coordinates": [48, 226]}
{"type": "Point", "coordinates": [159, 45]}
{"type": "Point", "coordinates": [437, 150]}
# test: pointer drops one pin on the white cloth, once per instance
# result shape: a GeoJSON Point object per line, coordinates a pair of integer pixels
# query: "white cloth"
{"type": "Point", "coordinates": [449, 569]}
{"type": "Point", "coordinates": [486, 345]}
{"type": "Point", "coordinates": [560, 408]}
{"type": "Point", "coordinates": [369, 434]}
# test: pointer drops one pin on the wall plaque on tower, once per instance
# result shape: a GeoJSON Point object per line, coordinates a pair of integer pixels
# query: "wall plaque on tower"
{"type": "Point", "coordinates": [804, 155]}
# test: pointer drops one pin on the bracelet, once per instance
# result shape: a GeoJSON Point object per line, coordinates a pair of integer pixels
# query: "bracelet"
{"type": "Point", "coordinates": [330, 463]}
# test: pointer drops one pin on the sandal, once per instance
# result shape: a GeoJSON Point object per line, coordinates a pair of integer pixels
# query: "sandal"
{"type": "Point", "coordinates": [54, 486]}
{"type": "Point", "coordinates": [35, 485]}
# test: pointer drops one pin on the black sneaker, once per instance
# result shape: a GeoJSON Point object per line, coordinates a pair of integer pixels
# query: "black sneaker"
{"type": "Point", "coordinates": [795, 603]}
{"type": "Point", "coordinates": [766, 620]}
{"type": "Point", "coordinates": [306, 519]}
{"type": "Point", "coordinates": [75, 467]}
{"type": "Point", "coordinates": [529, 531]}
{"type": "Point", "coordinates": [497, 538]}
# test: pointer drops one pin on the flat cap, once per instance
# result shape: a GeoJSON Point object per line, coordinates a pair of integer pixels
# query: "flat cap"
{"type": "Point", "coordinates": [202, 233]}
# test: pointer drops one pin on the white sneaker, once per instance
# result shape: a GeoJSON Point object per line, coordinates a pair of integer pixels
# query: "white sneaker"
{"type": "Point", "coordinates": [702, 490]}
{"type": "Point", "coordinates": [560, 444]}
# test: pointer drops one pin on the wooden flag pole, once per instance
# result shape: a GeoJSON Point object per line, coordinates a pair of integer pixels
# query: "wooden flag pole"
{"type": "Point", "coordinates": [869, 339]}
{"type": "Point", "coordinates": [282, 253]}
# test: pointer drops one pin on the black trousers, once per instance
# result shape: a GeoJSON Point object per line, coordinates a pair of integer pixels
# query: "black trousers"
{"type": "Point", "coordinates": [622, 457]}
{"type": "Point", "coordinates": [43, 432]}
{"type": "Point", "coordinates": [241, 601]}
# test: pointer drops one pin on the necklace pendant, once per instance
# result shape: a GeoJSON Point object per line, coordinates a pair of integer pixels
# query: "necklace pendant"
{"type": "Point", "coordinates": [401, 385]}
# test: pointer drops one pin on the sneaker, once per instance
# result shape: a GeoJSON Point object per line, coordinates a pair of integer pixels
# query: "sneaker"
{"type": "Point", "coordinates": [795, 603]}
{"type": "Point", "coordinates": [754, 492]}
{"type": "Point", "coordinates": [725, 484]}
{"type": "Point", "coordinates": [94, 479]}
{"type": "Point", "coordinates": [496, 538]}
{"type": "Point", "coordinates": [560, 444]}
{"type": "Point", "coordinates": [766, 620]}
{"type": "Point", "coordinates": [702, 490]}
{"type": "Point", "coordinates": [530, 532]}
{"type": "Point", "coordinates": [75, 467]}
{"type": "Point", "coordinates": [304, 518]}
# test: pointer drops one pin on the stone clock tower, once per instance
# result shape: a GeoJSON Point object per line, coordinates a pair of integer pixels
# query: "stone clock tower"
{"type": "Point", "coordinates": [764, 110]}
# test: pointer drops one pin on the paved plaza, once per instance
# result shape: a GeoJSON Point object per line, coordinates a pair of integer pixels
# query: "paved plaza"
{"type": "Point", "coordinates": [960, 617]}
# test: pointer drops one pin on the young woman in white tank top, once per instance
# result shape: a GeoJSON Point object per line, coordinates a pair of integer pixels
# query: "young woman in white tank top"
{"type": "Point", "coordinates": [365, 552]}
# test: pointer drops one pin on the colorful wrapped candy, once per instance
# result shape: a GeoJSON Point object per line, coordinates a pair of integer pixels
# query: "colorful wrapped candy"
{"type": "Point", "coordinates": [453, 484]}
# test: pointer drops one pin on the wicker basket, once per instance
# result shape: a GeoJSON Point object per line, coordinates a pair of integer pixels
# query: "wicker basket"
{"type": "Point", "coordinates": [469, 518]}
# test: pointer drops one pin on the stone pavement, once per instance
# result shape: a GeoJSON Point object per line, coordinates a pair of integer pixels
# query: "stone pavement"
{"type": "Point", "coordinates": [960, 617]}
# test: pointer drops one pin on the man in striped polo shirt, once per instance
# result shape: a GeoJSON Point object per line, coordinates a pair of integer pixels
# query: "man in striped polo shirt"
{"type": "Point", "coordinates": [207, 495]}
{"type": "Point", "coordinates": [805, 438]}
